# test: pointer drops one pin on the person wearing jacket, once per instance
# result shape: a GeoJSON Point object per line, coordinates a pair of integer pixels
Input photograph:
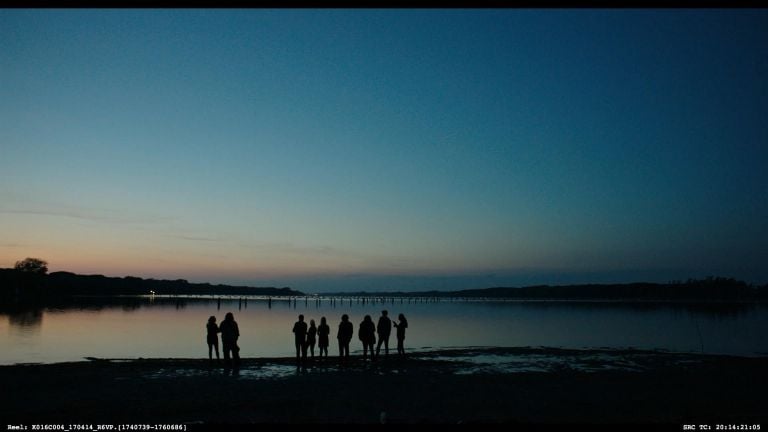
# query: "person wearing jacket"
{"type": "Point", "coordinates": [367, 334]}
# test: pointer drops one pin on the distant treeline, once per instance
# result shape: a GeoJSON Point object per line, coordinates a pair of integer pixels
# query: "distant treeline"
{"type": "Point", "coordinates": [712, 288]}
{"type": "Point", "coordinates": [20, 284]}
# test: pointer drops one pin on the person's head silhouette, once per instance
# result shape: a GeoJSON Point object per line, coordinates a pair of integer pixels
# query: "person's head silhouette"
{"type": "Point", "coordinates": [229, 317]}
{"type": "Point", "coordinates": [322, 321]}
{"type": "Point", "coordinates": [212, 319]}
{"type": "Point", "coordinates": [384, 312]}
{"type": "Point", "coordinates": [367, 318]}
{"type": "Point", "coordinates": [345, 317]}
{"type": "Point", "coordinates": [301, 318]}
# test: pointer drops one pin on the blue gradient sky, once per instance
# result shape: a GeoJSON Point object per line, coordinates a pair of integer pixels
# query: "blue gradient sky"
{"type": "Point", "coordinates": [386, 149]}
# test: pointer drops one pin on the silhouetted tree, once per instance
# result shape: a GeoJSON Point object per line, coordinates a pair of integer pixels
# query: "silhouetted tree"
{"type": "Point", "coordinates": [32, 265]}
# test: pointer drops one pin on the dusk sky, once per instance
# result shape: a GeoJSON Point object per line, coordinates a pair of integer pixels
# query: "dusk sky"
{"type": "Point", "coordinates": [386, 149]}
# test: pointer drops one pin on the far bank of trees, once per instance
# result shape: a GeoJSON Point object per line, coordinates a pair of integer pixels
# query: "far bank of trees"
{"type": "Point", "coordinates": [29, 279]}
{"type": "Point", "coordinates": [708, 289]}
{"type": "Point", "coordinates": [32, 265]}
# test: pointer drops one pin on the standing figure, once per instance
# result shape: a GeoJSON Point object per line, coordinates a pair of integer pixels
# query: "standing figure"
{"type": "Point", "coordinates": [311, 333]}
{"type": "Point", "coordinates": [384, 328]}
{"type": "Point", "coordinates": [229, 334]}
{"type": "Point", "coordinates": [367, 335]}
{"type": "Point", "coordinates": [344, 336]}
{"type": "Point", "coordinates": [213, 338]}
{"type": "Point", "coordinates": [401, 326]}
{"type": "Point", "coordinates": [300, 338]}
{"type": "Point", "coordinates": [322, 337]}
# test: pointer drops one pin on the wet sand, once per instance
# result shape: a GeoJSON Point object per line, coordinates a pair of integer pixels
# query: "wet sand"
{"type": "Point", "coordinates": [483, 385]}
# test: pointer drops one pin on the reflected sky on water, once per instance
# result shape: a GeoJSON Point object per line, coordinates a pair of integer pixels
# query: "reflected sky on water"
{"type": "Point", "coordinates": [175, 327]}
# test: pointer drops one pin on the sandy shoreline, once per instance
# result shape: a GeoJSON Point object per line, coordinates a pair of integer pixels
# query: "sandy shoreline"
{"type": "Point", "coordinates": [487, 385]}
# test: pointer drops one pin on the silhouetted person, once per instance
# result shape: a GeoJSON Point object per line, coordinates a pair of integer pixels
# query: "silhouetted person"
{"type": "Point", "coordinates": [212, 338]}
{"type": "Point", "coordinates": [401, 326]}
{"type": "Point", "coordinates": [300, 337]}
{"type": "Point", "coordinates": [229, 334]}
{"type": "Point", "coordinates": [311, 338]}
{"type": "Point", "coordinates": [322, 337]}
{"type": "Point", "coordinates": [367, 335]}
{"type": "Point", "coordinates": [346, 330]}
{"type": "Point", "coordinates": [383, 329]}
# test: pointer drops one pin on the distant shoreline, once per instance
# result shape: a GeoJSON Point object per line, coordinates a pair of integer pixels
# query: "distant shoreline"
{"type": "Point", "coordinates": [712, 288]}
{"type": "Point", "coordinates": [16, 284]}
{"type": "Point", "coordinates": [19, 284]}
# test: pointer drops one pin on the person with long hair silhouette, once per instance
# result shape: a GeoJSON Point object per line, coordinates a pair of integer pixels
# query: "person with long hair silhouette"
{"type": "Point", "coordinates": [311, 338]}
{"type": "Point", "coordinates": [300, 338]}
{"type": "Point", "coordinates": [383, 329]}
{"type": "Point", "coordinates": [322, 337]}
{"type": "Point", "coordinates": [367, 335]}
{"type": "Point", "coordinates": [212, 338]}
{"type": "Point", "coordinates": [344, 336]}
{"type": "Point", "coordinates": [229, 335]}
{"type": "Point", "coordinates": [401, 326]}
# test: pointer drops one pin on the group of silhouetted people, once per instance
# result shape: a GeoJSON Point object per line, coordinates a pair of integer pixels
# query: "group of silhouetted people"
{"type": "Point", "coordinates": [305, 337]}
{"type": "Point", "coordinates": [229, 334]}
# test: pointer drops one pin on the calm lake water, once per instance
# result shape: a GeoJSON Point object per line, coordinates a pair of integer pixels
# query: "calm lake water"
{"type": "Point", "coordinates": [175, 327]}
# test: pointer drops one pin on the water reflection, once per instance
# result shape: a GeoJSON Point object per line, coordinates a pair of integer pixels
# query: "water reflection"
{"type": "Point", "coordinates": [128, 327]}
{"type": "Point", "coordinates": [710, 309]}
{"type": "Point", "coordinates": [27, 319]}
{"type": "Point", "coordinates": [32, 315]}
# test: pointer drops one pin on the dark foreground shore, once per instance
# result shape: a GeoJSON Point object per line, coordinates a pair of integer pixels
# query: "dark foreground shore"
{"type": "Point", "coordinates": [488, 385]}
